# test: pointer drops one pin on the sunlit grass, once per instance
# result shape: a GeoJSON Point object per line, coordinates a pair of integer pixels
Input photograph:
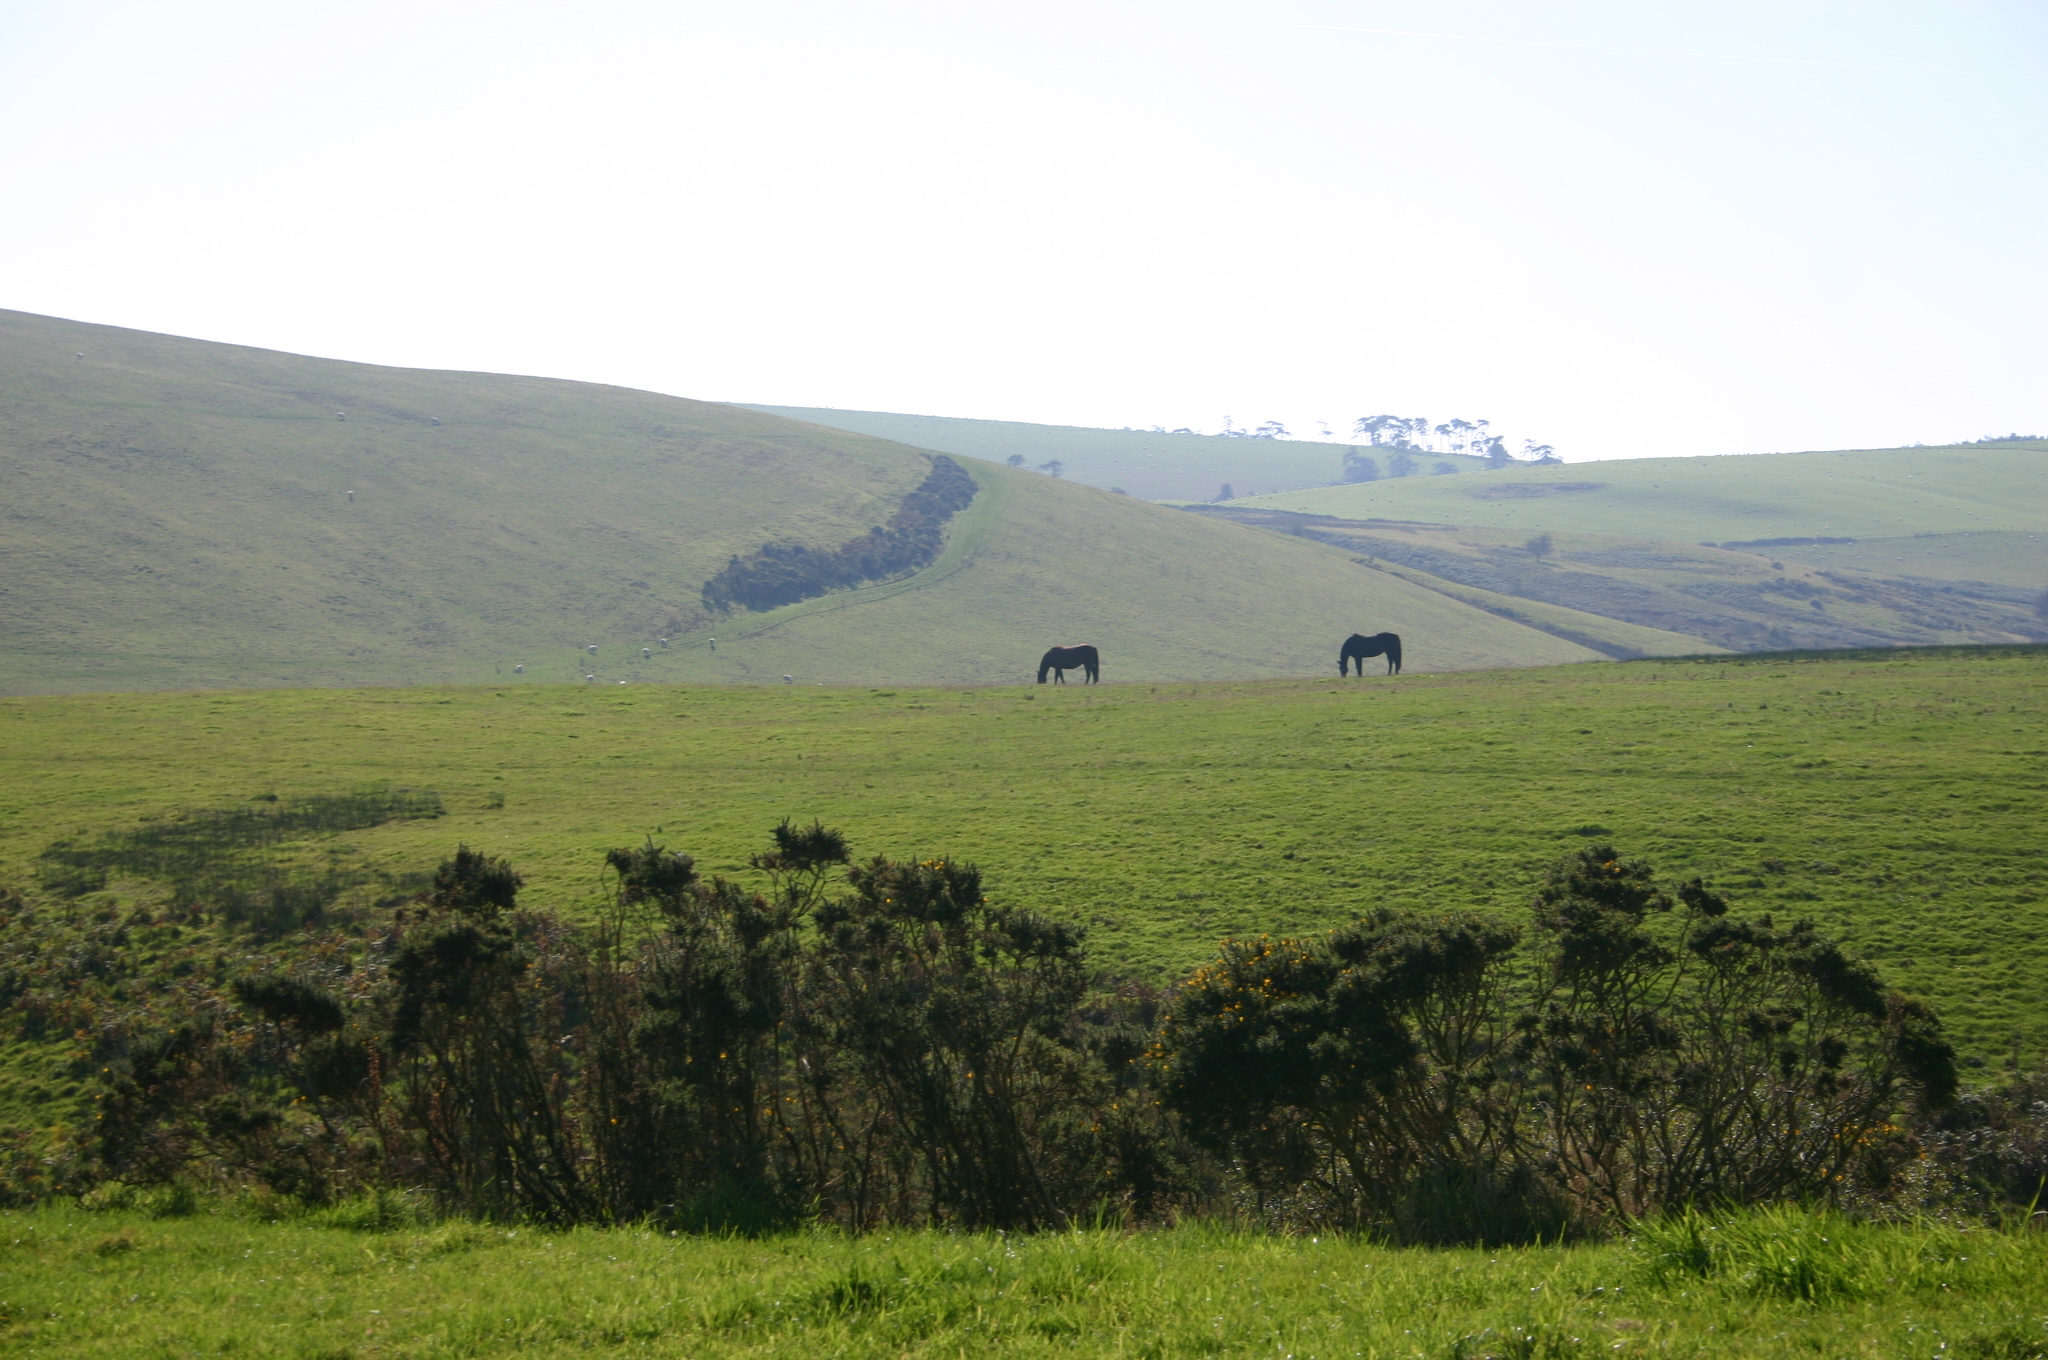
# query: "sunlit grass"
{"type": "Point", "coordinates": [117, 1284]}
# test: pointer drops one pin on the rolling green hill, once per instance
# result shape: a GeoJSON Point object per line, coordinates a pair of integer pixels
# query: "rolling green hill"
{"type": "Point", "coordinates": [1871, 495]}
{"type": "Point", "coordinates": [1148, 464]}
{"type": "Point", "coordinates": [1742, 600]}
{"type": "Point", "coordinates": [1916, 546]}
{"type": "Point", "coordinates": [1842, 549]}
{"type": "Point", "coordinates": [182, 513]}
{"type": "Point", "coordinates": [1166, 594]}
{"type": "Point", "coordinates": [187, 514]}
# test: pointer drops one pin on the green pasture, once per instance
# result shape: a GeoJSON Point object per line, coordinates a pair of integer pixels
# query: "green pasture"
{"type": "Point", "coordinates": [109, 1284]}
{"type": "Point", "coordinates": [1860, 494]}
{"type": "Point", "coordinates": [1897, 798]}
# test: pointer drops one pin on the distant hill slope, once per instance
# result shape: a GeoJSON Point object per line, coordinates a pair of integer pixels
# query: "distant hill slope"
{"type": "Point", "coordinates": [1865, 494]}
{"type": "Point", "coordinates": [1874, 546]}
{"type": "Point", "coordinates": [1166, 594]}
{"type": "Point", "coordinates": [1741, 599]}
{"type": "Point", "coordinates": [179, 516]}
{"type": "Point", "coordinates": [1147, 464]}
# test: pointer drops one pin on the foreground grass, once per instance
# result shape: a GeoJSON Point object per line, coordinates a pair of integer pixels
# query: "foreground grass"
{"type": "Point", "coordinates": [81, 1283]}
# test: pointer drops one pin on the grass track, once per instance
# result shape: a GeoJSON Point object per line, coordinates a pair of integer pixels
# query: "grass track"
{"type": "Point", "coordinates": [1898, 798]}
{"type": "Point", "coordinates": [108, 1285]}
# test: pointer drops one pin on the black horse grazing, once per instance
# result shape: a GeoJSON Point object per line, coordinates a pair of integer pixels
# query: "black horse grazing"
{"type": "Point", "coordinates": [1358, 647]}
{"type": "Point", "coordinates": [1060, 660]}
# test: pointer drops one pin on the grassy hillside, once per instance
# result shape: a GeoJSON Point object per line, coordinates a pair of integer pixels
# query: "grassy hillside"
{"type": "Point", "coordinates": [1739, 599]}
{"type": "Point", "coordinates": [1844, 549]}
{"type": "Point", "coordinates": [180, 515]}
{"type": "Point", "coordinates": [1147, 464]}
{"type": "Point", "coordinates": [180, 512]}
{"type": "Point", "coordinates": [1895, 797]}
{"type": "Point", "coordinates": [2016, 558]}
{"type": "Point", "coordinates": [1871, 495]}
{"type": "Point", "coordinates": [1930, 545]}
{"type": "Point", "coordinates": [1167, 596]}
{"type": "Point", "coordinates": [131, 1284]}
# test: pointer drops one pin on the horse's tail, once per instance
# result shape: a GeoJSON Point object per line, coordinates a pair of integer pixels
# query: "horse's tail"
{"type": "Point", "coordinates": [1394, 653]}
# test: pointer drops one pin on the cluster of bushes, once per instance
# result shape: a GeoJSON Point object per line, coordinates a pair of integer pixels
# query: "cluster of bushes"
{"type": "Point", "coordinates": [784, 573]}
{"type": "Point", "coordinates": [879, 1042]}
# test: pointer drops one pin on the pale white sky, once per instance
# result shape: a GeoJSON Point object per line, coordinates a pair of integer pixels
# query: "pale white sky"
{"type": "Point", "coordinates": [1623, 228]}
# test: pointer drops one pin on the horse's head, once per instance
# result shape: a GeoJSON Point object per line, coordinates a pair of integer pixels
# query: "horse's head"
{"type": "Point", "coordinates": [1041, 673]}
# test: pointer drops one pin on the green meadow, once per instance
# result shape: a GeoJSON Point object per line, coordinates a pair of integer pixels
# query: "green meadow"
{"type": "Point", "coordinates": [79, 1283]}
{"type": "Point", "coordinates": [1895, 797]}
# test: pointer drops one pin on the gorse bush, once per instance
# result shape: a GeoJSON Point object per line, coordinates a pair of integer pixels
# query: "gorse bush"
{"type": "Point", "coordinates": [1735, 1063]}
{"type": "Point", "coordinates": [892, 1048]}
{"type": "Point", "coordinates": [878, 1042]}
{"type": "Point", "coordinates": [1352, 1070]}
{"type": "Point", "coordinates": [1393, 1073]}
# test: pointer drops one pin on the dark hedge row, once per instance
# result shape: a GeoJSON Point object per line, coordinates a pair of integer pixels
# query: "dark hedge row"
{"type": "Point", "coordinates": [784, 573]}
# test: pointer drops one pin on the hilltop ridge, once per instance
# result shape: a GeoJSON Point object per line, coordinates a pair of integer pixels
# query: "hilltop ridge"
{"type": "Point", "coordinates": [1157, 465]}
